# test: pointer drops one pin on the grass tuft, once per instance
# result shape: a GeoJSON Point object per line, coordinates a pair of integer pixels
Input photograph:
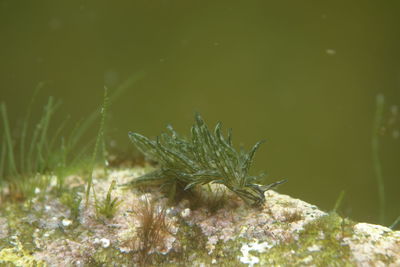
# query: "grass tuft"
{"type": "Point", "coordinates": [109, 205]}
{"type": "Point", "coordinates": [35, 154]}
{"type": "Point", "coordinates": [38, 149]}
{"type": "Point", "coordinates": [153, 229]}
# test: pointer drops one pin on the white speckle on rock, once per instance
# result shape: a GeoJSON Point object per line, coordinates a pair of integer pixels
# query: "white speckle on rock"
{"type": "Point", "coordinates": [185, 213]}
{"type": "Point", "coordinates": [213, 261]}
{"type": "Point", "coordinates": [374, 232]}
{"type": "Point", "coordinates": [146, 197]}
{"type": "Point", "coordinates": [105, 243]}
{"type": "Point", "coordinates": [307, 260]}
{"type": "Point", "coordinates": [125, 250]}
{"type": "Point", "coordinates": [314, 248]}
{"type": "Point", "coordinates": [249, 259]}
{"type": "Point", "coordinates": [374, 243]}
{"type": "Point", "coordinates": [66, 222]}
{"type": "Point", "coordinates": [168, 242]}
{"type": "Point", "coordinates": [212, 241]}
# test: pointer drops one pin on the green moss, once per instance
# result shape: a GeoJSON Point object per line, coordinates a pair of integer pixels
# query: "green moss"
{"type": "Point", "coordinates": [19, 256]}
{"type": "Point", "coordinates": [192, 246]}
{"type": "Point", "coordinates": [320, 244]}
{"type": "Point", "coordinates": [109, 257]}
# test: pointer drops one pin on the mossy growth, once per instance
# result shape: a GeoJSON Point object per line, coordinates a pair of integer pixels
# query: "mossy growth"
{"type": "Point", "coordinates": [19, 256]}
{"type": "Point", "coordinates": [319, 244]}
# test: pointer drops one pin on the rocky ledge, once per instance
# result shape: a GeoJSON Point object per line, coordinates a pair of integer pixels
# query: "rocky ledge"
{"type": "Point", "coordinates": [208, 228]}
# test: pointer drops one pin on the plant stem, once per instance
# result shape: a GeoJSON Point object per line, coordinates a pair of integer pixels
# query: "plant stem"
{"type": "Point", "coordinates": [380, 102]}
{"type": "Point", "coordinates": [96, 146]}
{"type": "Point", "coordinates": [395, 223]}
{"type": "Point", "coordinates": [11, 160]}
{"type": "Point", "coordinates": [339, 201]}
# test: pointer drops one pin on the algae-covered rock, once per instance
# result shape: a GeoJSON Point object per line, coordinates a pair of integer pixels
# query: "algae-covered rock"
{"type": "Point", "coordinates": [207, 228]}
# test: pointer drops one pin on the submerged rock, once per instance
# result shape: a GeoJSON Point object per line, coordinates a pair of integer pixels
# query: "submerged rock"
{"type": "Point", "coordinates": [147, 229]}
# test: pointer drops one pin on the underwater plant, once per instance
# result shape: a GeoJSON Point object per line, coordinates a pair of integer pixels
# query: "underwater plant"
{"type": "Point", "coordinates": [38, 149]}
{"type": "Point", "coordinates": [109, 205]}
{"type": "Point", "coordinates": [152, 230]}
{"type": "Point", "coordinates": [204, 158]}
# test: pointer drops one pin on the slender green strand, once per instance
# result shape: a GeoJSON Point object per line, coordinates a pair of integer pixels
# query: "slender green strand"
{"type": "Point", "coordinates": [31, 160]}
{"type": "Point", "coordinates": [11, 160]}
{"type": "Point", "coordinates": [395, 223]}
{"type": "Point", "coordinates": [380, 103]}
{"type": "Point", "coordinates": [72, 139]}
{"type": "Point", "coordinates": [57, 133]}
{"type": "Point", "coordinates": [84, 126]}
{"type": "Point", "coordinates": [25, 125]}
{"type": "Point", "coordinates": [2, 159]}
{"type": "Point", "coordinates": [339, 201]}
{"type": "Point", "coordinates": [42, 147]}
{"type": "Point", "coordinates": [96, 146]}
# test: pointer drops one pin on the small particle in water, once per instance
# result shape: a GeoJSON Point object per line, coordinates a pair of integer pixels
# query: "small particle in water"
{"type": "Point", "coordinates": [330, 52]}
{"type": "Point", "coordinates": [395, 134]}
{"type": "Point", "coordinates": [37, 190]}
{"type": "Point", "coordinates": [394, 110]}
{"type": "Point", "coordinates": [55, 24]}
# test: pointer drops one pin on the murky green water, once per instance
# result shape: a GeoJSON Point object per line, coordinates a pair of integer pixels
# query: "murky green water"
{"type": "Point", "coordinates": [303, 75]}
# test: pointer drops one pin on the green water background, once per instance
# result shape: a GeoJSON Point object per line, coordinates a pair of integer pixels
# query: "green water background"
{"type": "Point", "coordinates": [301, 74]}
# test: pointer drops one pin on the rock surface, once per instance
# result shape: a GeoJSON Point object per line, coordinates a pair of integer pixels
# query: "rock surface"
{"type": "Point", "coordinates": [208, 229]}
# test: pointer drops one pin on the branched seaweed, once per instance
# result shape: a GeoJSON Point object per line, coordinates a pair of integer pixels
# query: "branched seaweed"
{"type": "Point", "coordinates": [152, 231]}
{"type": "Point", "coordinates": [205, 158]}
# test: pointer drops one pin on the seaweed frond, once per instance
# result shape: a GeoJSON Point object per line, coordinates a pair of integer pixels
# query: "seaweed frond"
{"type": "Point", "coordinates": [109, 205]}
{"type": "Point", "coordinates": [72, 200]}
{"type": "Point", "coordinates": [207, 157]}
{"type": "Point", "coordinates": [153, 229]}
